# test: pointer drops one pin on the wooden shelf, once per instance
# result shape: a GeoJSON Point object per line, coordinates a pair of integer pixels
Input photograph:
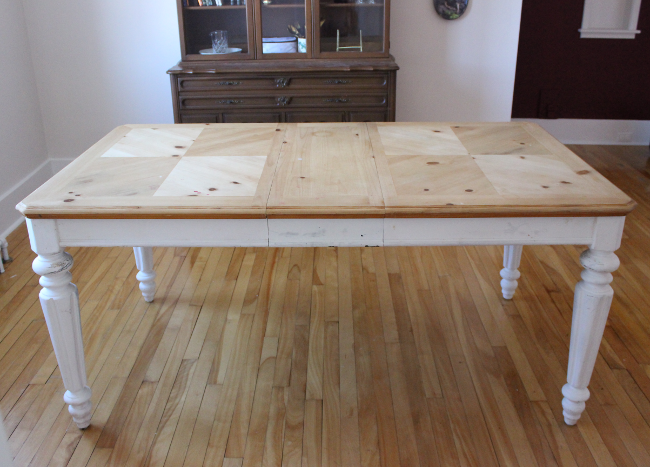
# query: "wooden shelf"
{"type": "Point", "coordinates": [351, 5]}
{"type": "Point", "coordinates": [222, 7]}
{"type": "Point", "coordinates": [284, 5]}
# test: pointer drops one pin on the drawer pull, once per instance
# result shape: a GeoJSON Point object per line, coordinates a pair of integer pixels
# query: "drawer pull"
{"type": "Point", "coordinates": [338, 81]}
{"type": "Point", "coordinates": [337, 100]}
{"type": "Point", "coordinates": [229, 83]}
{"type": "Point", "coordinates": [282, 101]}
{"type": "Point", "coordinates": [281, 82]}
{"type": "Point", "coordinates": [230, 101]}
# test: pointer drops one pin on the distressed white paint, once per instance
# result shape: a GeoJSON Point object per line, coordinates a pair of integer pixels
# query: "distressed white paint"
{"type": "Point", "coordinates": [608, 233]}
{"type": "Point", "coordinates": [163, 232]}
{"type": "Point", "coordinates": [4, 249]}
{"type": "Point", "coordinates": [325, 232]}
{"type": "Point", "coordinates": [60, 302]}
{"type": "Point", "coordinates": [592, 300]}
{"type": "Point", "coordinates": [146, 276]}
{"type": "Point", "coordinates": [490, 231]}
{"type": "Point", "coordinates": [61, 306]}
{"type": "Point", "coordinates": [510, 272]}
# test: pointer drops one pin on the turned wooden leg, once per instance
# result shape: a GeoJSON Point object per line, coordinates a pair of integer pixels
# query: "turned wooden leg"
{"type": "Point", "coordinates": [510, 271]}
{"type": "Point", "coordinates": [60, 303]}
{"type": "Point", "coordinates": [146, 276]}
{"type": "Point", "coordinates": [593, 298]}
{"type": "Point", "coordinates": [4, 250]}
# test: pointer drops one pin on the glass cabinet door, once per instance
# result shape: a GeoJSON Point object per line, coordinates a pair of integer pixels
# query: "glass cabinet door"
{"type": "Point", "coordinates": [285, 29]}
{"type": "Point", "coordinates": [351, 28]}
{"type": "Point", "coordinates": [203, 17]}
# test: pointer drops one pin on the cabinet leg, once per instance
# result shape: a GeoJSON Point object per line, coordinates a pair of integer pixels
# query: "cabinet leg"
{"type": "Point", "coordinates": [60, 302]}
{"type": "Point", "coordinates": [592, 300]}
{"type": "Point", "coordinates": [510, 272]}
{"type": "Point", "coordinates": [146, 276]}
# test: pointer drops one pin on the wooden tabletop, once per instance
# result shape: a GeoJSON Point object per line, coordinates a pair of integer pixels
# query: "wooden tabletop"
{"type": "Point", "coordinates": [326, 170]}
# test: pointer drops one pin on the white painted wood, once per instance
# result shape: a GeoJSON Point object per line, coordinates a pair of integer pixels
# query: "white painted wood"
{"type": "Point", "coordinates": [610, 19]}
{"type": "Point", "coordinates": [163, 232]}
{"type": "Point", "coordinates": [592, 300]}
{"type": "Point", "coordinates": [591, 305]}
{"type": "Point", "coordinates": [338, 232]}
{"type": "Point", "coordinates": [489, 231]}
{"type": "Point", "coordinates": [325, 232]}
{"type": "Point", "coordinates": [43, 235]}
{"type": "Point", "coordinates": [510, 272]}
{"type": "Point", "coordinates": [4, 249]}
{"type": "Point", "coordinates": [146, 276]}
{"type": "Point", "coordinates": [608, 233]}
{"type": "Point", "coordinates": [60, 302]}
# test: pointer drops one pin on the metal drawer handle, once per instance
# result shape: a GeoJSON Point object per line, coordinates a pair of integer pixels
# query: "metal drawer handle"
{"type": "Point", "coordinates": [230, 101]}
{"type": "Point", "coordinates": [338, 81]}
{"type": "Point", "coordinates": [338, 100]}
{"type": "Point", "coordinates": [281, 82]}
{"type": "Point", "coordinates": [282, 100]}
{"type": "Point", "coordinates": [229, 83]}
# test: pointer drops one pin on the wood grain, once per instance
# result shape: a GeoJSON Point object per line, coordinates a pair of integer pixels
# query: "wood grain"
{"type": "Point", "coordinates": [327, 170]}
{"type": "Point", "coordinates": [334, 356]}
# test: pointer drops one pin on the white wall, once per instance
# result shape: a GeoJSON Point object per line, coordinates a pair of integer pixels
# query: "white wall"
{"type": "Point", "coordinates": [23, 157]}
{"type": "Point", "coordinates": [460, 70]}
{"type": "Point", "coordinates": [100, 64]}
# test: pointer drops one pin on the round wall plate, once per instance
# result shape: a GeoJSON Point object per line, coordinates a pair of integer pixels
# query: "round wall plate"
{"type": "Point", "coordinates": [450, 9]}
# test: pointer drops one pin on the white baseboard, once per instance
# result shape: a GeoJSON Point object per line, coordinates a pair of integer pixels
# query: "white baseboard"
{"type": "Point", "coordinates": [576, 131]}
{"type": "Point", "coordinates": [9, 217]}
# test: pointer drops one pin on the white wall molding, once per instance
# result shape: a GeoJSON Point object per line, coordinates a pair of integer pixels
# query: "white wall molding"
{"type": "Point", "coordinates": [9, 217]}
{"type": "Point", "coordinates": [610, 19]}
{"type": "Point", "coordinates": [578, 131]}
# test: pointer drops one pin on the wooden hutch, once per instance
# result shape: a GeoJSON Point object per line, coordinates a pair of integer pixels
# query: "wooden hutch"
{"type": "Point", "coordinates": [335, 68]}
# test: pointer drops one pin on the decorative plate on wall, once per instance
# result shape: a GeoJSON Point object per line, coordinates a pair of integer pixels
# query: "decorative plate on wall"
{"type": "Point", "coordinates": [450, 9]}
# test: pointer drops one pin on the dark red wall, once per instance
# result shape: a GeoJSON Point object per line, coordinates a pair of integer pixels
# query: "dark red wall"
{"type": "Point", "coordinates": [560, 75]}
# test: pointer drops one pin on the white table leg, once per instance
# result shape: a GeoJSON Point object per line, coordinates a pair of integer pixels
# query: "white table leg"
{"type": "Point", "coordinates": [146, 276]}
{"type": "Point", "coordinates": [510, 272]}
{"type": "Point", "coordinates": [60, 303]}
{"type": "Point", "coordinates": [593, 298]}
{"type": "Point", "coordinates": [4, 249]}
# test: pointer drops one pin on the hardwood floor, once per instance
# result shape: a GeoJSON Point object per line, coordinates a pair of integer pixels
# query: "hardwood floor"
{"type": "Point", "coordinates": [334, 357]}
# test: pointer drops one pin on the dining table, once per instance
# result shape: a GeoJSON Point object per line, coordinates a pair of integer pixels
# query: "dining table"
{"type": "Point", "coordinates": [320, 185]}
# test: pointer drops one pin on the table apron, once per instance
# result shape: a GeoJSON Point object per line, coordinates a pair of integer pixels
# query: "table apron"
{"type": "Point", "coordinates": [339, 232]}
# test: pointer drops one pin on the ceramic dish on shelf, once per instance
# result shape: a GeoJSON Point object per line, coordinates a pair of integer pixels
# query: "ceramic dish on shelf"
{"type": "Point", "coordinates": [279, 45]}
{"type": "Point", "coordinates": [229, 50]}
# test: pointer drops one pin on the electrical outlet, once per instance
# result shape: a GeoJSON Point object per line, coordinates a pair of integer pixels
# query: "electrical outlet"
{"type": "Point", "coordinates": [624, 136]}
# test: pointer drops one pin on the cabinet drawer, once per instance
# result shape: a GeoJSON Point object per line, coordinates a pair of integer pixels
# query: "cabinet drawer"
{"type": "Point", "coordinates": [341, 82]}
{"type": "Point", "coordinates": [215, 102]}
{"type": "Point", "coordinates": [252, 117]}
{"type": "Point", "coordinates": [229, 84]}
{"type": "Point", "coordinates": [368, 117]}
{"type": "Point", "coordinates": [339, 100]}
{"type": "Point", "coordinates": [282, 101]}
{"type": "Point", "coordinates": [315, 117]}
{"type": "Point", "coordinates": [198, 118]}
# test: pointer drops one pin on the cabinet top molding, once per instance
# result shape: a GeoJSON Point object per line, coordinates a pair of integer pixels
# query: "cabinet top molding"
{"type": "Point", "coordinates": [323, 170]}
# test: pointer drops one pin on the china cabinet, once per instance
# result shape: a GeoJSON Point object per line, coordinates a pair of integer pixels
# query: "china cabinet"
{"type": "Point", "coordinates": [285, 61]}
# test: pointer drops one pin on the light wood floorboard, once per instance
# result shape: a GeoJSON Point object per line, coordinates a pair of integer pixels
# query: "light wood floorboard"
{"type": "Point", "coordinates": [334, 357]}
